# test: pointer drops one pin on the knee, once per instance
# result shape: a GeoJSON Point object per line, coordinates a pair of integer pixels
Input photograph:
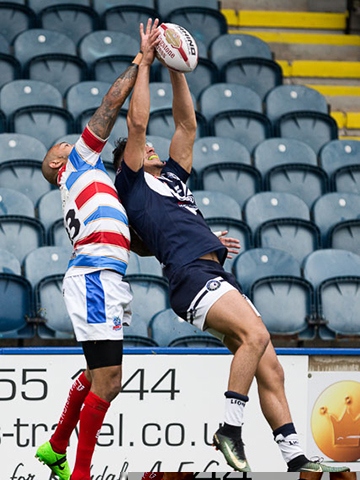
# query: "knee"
{"type": "Point", "coordinates": [258, 337]}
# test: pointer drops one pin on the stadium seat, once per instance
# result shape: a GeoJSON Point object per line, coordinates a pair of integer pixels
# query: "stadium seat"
{"type": "Point", "coordinates": [237, 229]}
{"type": "Point", "coordinates": [217, 204]}
{"type": "Point", "coordinates": [15, 146]}
{"type": "Point", "coordinates": [167, 329]}
{"type": "Point", "coordinates": [165, 7]}
{"type": "Point", "coordinates": [205, 74]}
{"type": "Point", "coordinates": [53, 319]}
{"type": "Point", "coordinates": [10, 68]}
{"type": "Point", "coordinates": [204, 24]}
{"type": "Point", "coordinates": [49, 210]}
{"type": "Point", "coordinates": [340, 303]}
{"type": "Point", "coordinates": [231, 46]}
{"type": "Point", "coordinates": [101, 6]}
{"type": "Point", "coordinates": [265, 206]}
{"type": "Point", "coordinates": [85, 95]}
{"type": "Point", "coordinates": [45, 261]}
{"type": "Point", "coordinates": [136, 334]}
{"type": "Point", "coordinates": [314, 128]}
{"type": "Point", "coordinates": [127, 18]}
{"type": "Point", "coordinates": [345, 235]}
{"type": "Point", "coordinates": [260, 74]}
{"type": "Point", "coordinates": [160, 144]}
{"type": "Point", "coordinates": [108, 68]}
{"type": "Point", "coordinates": [17, 307]}
{"type": "Point", "coordinates": [19, 235]}
{"type": "Point", "coordinates": [3, 122]}
{"type": "Point", "coordinates": [74, 20]}
{"type": "Point", "coordinates": [339, 153]}
{"type": "Point", "coordinates": [293, 235]}
{"type": "Point", "coordinates": [212, 150]}
{"type": "Point", "coordinates": [143, 265]}
{"type": "Point", "coordinates": [4, 45]}
{"type": "Point", "coordinates": [14, 202]}
{"type": "Point", "coordinates": [60, 70]}
{"type": "Point", "coordinates": [103, 43]}
{"type": "Point", "coordinates": [308, 182]}
{"type": "Point", "coordinates": [40, 41]}
{"type": "Point", "coordinates": [293, 98]}
{"type": "Point", "coordinates": [259, 263]}
{"type": "Point", "coordinates": [24, 93]}
{"type": "Point", "coordinates": [247, 127]}
{"type": "Point", "coordinates": [15, 18]}
{"type": "Point", "coordinates": [24, 176]}
{"type": "Point", "coordinates": [279, 151]}
{"type": "Point", "coordinates": [276, 296]}
{"type": "Point", "coordinates": [43, 122]}
{"type": "Point", "coordinates": [221, 97]}
{"type": "Point", "coordinates": [57, 234]}
{"type": "Point", "coordinates": [161, 95]}
{"type": "Point", "coordinates": [332, 208]}
{"type": "Point", "coordinates": [38, 5]}
{"type": "Point", "coordinates": [162, 121]}
{"type": "Point", "coordinates": [347, 179]}
{"type": "Point", "coordinates": [150, 295]}
{"type": "Point", "coordinates": [9, 263]}
{"type": "Point", "coordinates": [239, 181]}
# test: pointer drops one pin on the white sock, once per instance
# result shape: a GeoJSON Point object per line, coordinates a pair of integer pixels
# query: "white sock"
{"type": "Point", "coordinates": [289, 446]}
{"type": "Point", "coordinates": [234, 411]}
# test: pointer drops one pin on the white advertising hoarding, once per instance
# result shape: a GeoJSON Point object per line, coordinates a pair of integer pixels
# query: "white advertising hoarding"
{"type": "Point", "coordinates": [163, 420]}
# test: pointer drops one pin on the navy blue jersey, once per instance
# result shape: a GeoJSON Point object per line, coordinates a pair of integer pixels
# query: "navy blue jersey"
{"type": "Point", "coordinates": [163, 212]}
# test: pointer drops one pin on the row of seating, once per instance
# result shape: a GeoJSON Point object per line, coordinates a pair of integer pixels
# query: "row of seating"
{"type": "Point", "coordinates": [318, 297]}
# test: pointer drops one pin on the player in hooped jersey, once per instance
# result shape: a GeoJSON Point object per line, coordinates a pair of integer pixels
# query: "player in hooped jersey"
{"type": "Point", "coordinates": [163, 212]}
{"type": "Point", "coordinates": [97, 298]}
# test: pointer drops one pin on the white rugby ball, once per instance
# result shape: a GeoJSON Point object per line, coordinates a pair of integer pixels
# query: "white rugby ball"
{"type": "Point", "coordinates": [177, 49]}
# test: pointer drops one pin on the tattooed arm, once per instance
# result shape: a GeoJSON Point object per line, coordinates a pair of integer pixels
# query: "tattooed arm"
{"type": "Point", "coordinates": [102, 122]}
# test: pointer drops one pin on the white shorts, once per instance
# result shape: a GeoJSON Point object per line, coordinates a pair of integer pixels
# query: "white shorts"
{"type": "Point", "coordinates": [98, 304]}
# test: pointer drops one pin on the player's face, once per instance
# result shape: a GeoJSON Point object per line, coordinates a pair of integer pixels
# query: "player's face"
{"type": "Point", "coordinates": [152, 162]}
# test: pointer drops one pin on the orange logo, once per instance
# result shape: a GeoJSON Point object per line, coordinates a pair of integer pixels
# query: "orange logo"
{"type": "Point", "coordinates": [173, 38]}
{"type": "Point", "coordinates": [335, 421]}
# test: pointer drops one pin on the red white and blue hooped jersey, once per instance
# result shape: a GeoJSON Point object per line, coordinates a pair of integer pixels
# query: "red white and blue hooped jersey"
{"type": "Point", "coordinates": [94, 218]}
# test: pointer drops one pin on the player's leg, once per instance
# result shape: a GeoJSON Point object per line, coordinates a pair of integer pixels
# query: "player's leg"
{"type": "Point", "coordinates": [104, 359]}
{"type": "Point", "coordinates": [53, 452]}
{"type": "Point", "coordinates": [233, 316]}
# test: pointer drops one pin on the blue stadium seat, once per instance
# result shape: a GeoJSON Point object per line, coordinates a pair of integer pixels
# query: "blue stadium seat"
{"type": "Point", "coordinates": [45, 261]}
{"type": "Point", "coordinates": [143, 265]}
{"type": "Point", "coordinates": [314, 128]}
{"type": "Point", "coordinates": [15, 146]}
{"type": "Point", "coordinates": [108, 68]}
{"type": "Point", "coordinates": [204, 24]}
{"type": "Point", "coordinates": [292, 98]}
{"type": "Point", "coordinates": [9, 263]}
{"type": "Point", "coordinates": [127, 18]}
{"type": "Point", "coordinates": [221, 97]}
{"type": "Point", "coordinates": [26, 177]}
{"type": "Point", "coordinates": [217, 204]}
{"type": "Point", "coordinates": [74, 20]}
{"type": "Point", "coordinates": [247, 127]}
{"type": "Point", "coordinates": [230, 46]}
{"type": "Point", "coordinates": [265, 206]}
{"type": "Point", "coordinates": [17, 307]}
{"type": "Point", "coordinates": [85, 95]}
{"type": "Point", "coordinates": [24, 93]}
{"type": "Point", "coordinates": [15, 18]}
{"type": "Point", "coordinates": [119, 128]}
{"type": "Point", "coordinates": [333, 208]}
{"type": "Point", "coordinates": [167, 329]}
{"type": "Point", "coordinates": [260, 74]}
{"type": "Point", "coordinates": [347, 179]}
{"type": "Point", "coordinates": [101, 6]}
{"type": "Point", "coordinates": [165, 7]}
{"type": "Point", "coordinates": [257, 263]}
{"type": "Point", "coordinates": [339, 153]}
{"type": "Point", "coordinates": [136, 334]}
{"type": "Point", "coordinates": [10, 68]}
{"type": "Point", "coordinates": [162, 121]}
{"type": "Point", "coordinates": [38, 5]}
{"type": "Point", "coordinates": [14, 202]}
{"type": "Point", "coordinates": [345, 235]}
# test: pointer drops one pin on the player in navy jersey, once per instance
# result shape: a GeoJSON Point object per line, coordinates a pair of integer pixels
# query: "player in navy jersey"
{"type": "Point", "coordinates": [96, 297]}
{"type": "Point", "coordinates": [162, 210]}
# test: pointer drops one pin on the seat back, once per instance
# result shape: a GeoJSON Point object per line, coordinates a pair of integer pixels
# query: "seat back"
{"type": "Point", "coordinates": [221, 97]}
{"type": "Point", "coordinates": [165, 7]}
{"type": "Point", "coordinates": [14, 202]}
{"type": "Point", "coordinates": [10, 68]}
{"type": "Point", "coordinates": [85, 95]}
{"type": "Point", "coordinates": [161, 121]}
{"type": "Point", "coordinates": [101, 6]}
{"type": "Point", "coordinates": [19, 235]}
{"type": "Point", "coordinates": [9, 263]}
{"type": "Point", "coordinates": [258, 263]}
{"type": "Point", "coordinates": [230, 46]}
{"type": "Point", "coordinates": [217, 204]}
{"type": "Point", "coordinates": [339, 153]}
{"type": "Point", "coordinates": [15, 146]}
{"type": "Point", "coordinates": [123, 18]}
{"type": "Point", "coordinates": [269, 205]}
{"type": "Point", "coordinates": [45, 261]}
{"type": "Point", "coordinates": [346, 236]}
{"type": "Point", "coordinates": [260, 74]}
{"type": "Point", "coordinates": [15, 19]}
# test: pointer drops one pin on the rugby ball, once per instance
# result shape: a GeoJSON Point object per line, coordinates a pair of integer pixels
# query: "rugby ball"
{"type": "Point", "coordinates": [177, 49]}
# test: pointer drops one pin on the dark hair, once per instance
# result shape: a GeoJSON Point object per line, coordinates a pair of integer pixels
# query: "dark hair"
{"type": "Point", "coordinates": [118, 152]}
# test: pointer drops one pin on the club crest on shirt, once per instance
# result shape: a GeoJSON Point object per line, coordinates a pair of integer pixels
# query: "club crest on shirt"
{"type": "Point", "coordinates": [212, 285]}
{"type": "Point", "coordinates": [117, 323]}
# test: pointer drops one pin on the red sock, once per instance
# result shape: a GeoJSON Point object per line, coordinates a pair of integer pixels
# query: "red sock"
{"type": "Point", "coordinates": [91, 419]}
{"type": "Point", "coordinates": [70, 415]}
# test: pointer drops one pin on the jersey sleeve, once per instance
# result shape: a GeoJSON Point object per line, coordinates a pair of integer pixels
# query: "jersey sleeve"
{"type": "Point", "coordinates": [174, 167]}
{"type": "Point", "coordinates": [88, 147]}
